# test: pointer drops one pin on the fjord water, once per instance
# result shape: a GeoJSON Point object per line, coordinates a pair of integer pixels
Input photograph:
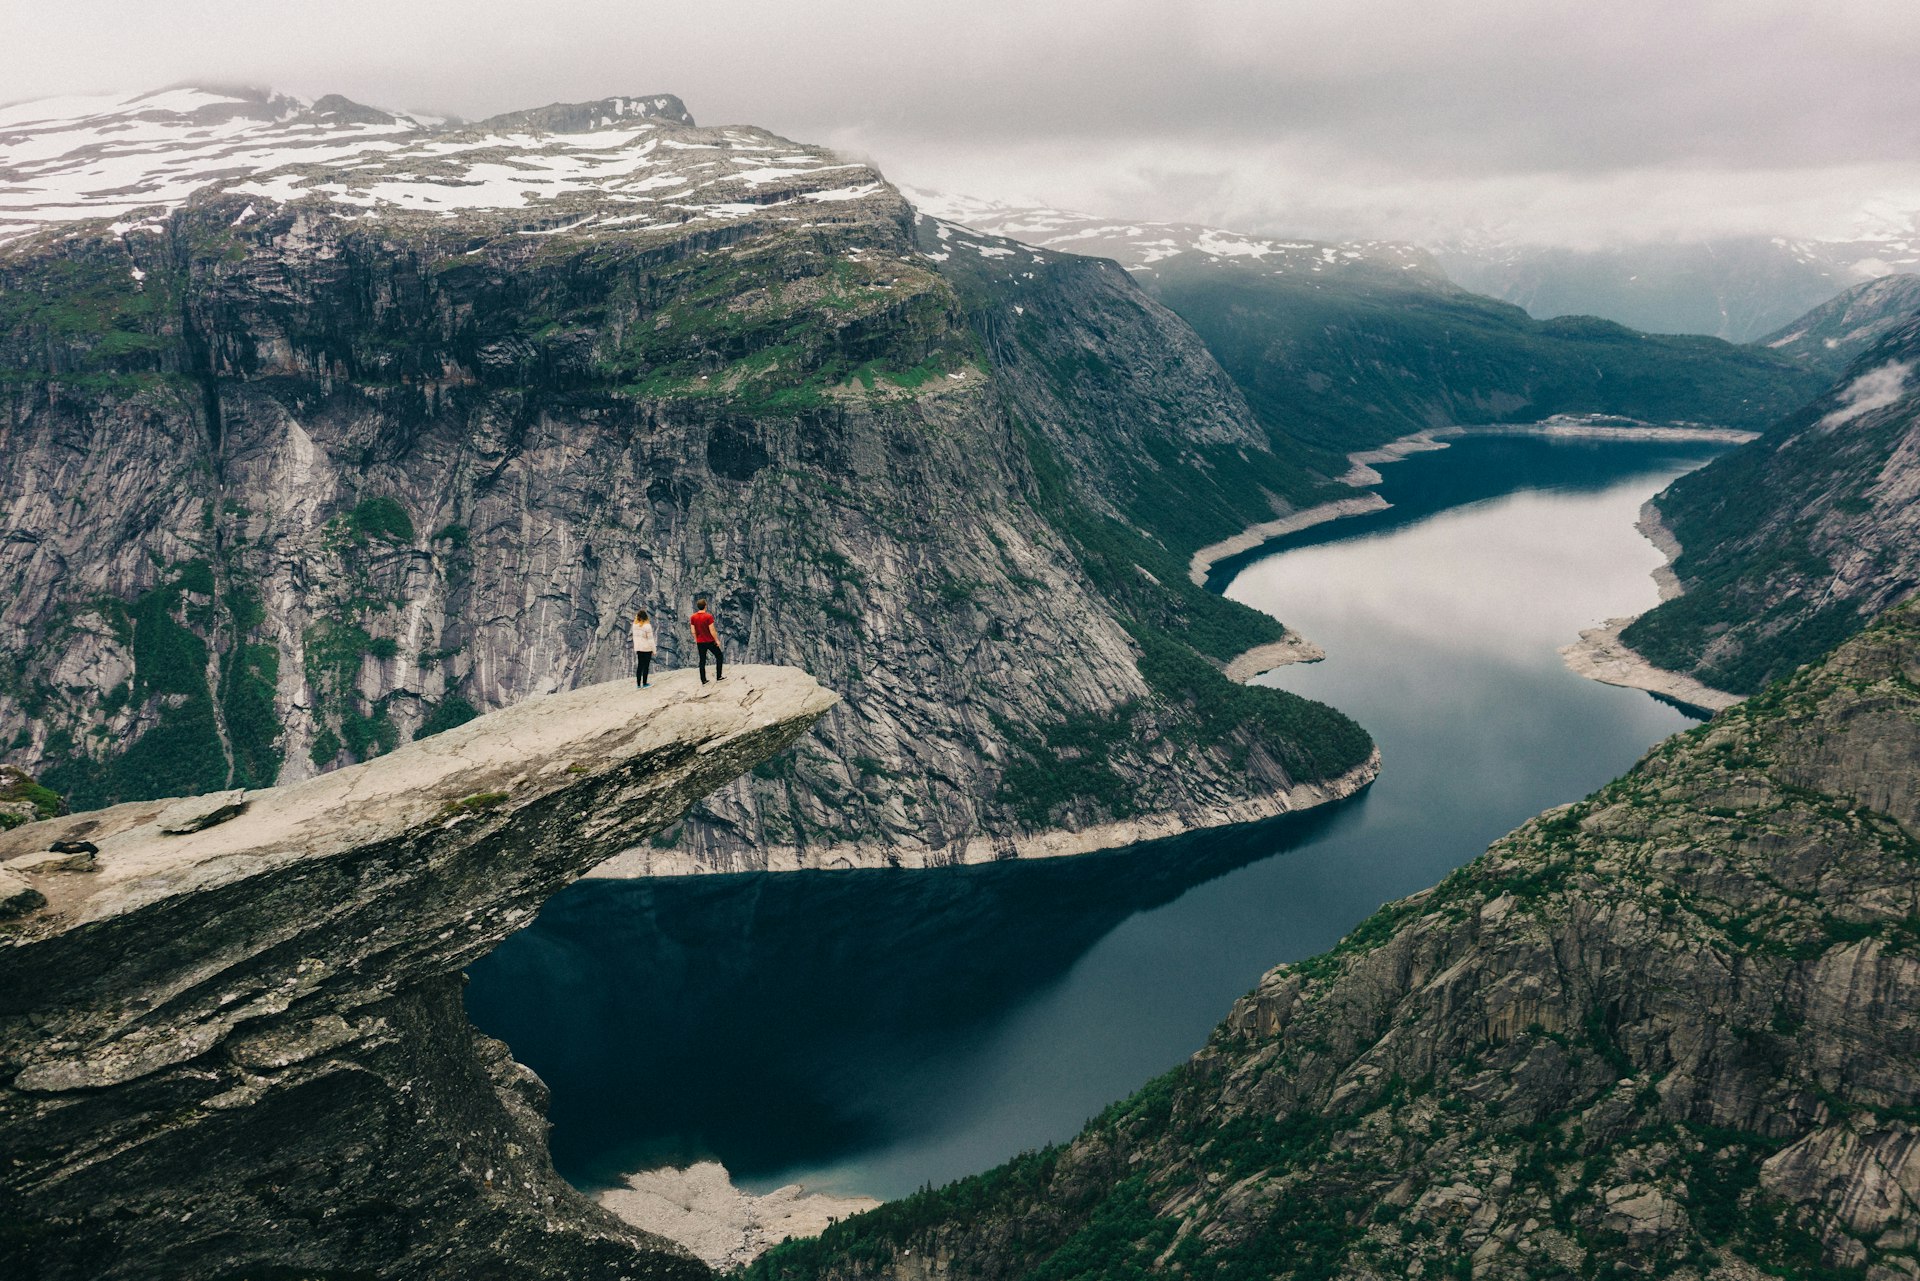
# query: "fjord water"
{"type": "Point", "coordinates": [871, 1031]}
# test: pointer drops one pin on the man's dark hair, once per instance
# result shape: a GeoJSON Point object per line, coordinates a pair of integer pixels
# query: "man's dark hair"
{"type": "Point", "coordinates": [701, 603]}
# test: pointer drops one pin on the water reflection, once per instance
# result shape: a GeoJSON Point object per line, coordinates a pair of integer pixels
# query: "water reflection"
{"type": "Point", "coordinates": [760, 1016]}
{"type": "Point", "coordinates": [871, 1031]}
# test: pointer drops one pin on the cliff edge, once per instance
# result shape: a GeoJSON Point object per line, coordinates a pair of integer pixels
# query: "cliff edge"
{"type": "Point", "coordinates": [231, 1032]}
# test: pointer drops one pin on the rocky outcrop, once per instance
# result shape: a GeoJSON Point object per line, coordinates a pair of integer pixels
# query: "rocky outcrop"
{"type": "Point", "coordinates": [240, 1050]}
{"type": "Point", "coordinates": [1668, 1031]}
{"type": "Point", "coordinates": [23, 800]}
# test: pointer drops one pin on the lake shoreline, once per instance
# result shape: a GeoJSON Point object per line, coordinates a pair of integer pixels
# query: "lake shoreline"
{"type": "Point", "coordinates": [913, 1029]}
{"type": "Point", "coordinates": [700, 1207]}
{"type": "Point", "coordinates": [1361, 472]}
{"type": "Point", "coordinates": [1053, 843]}
{"type": "Point", "coordinates": [1266, 531]}
{"type": "Point", "coordinates": [1601, 655]}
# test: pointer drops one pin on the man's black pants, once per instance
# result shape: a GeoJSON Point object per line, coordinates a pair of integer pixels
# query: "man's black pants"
{"type": "Point", "coordinates": [719, 664]}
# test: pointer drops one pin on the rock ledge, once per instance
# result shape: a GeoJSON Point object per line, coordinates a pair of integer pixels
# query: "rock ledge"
{"type": "Point", "coordinates": [242, 1049]}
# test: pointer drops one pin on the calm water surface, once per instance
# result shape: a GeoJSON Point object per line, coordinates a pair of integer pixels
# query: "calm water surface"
{"type": "Point", "coordinates": [873, 1031]}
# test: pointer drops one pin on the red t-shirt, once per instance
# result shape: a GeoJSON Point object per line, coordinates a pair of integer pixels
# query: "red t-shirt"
{"type": "Point", "coordinates": [703, 628]}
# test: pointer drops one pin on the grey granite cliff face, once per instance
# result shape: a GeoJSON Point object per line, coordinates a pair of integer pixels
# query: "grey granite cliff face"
{"type": "Point", "coordinates": [1668, 1031]}
{"type": "Point", "coordinates": [333, 455]}
{"type": "Point", "coordinates": [240, 1051]}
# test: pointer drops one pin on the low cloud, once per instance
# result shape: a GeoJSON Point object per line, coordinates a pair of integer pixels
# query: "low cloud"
{"type": "Point", "coordinates": [1875, 389]}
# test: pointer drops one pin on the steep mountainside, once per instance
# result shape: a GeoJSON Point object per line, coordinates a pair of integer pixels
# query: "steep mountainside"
{"type": "Point", "coordinates": [1340, 347]}
{"type": "Point", "coordinates": [231, 1035]}
{"type": "Point", "coordinates": [1669, 1031]}
{"type": "Point", "coordinates": [1792, 542]}
{"type": "Point", "coordinates": [403, 422]}
{"type": "Point", "coordinates": [1836, 333]}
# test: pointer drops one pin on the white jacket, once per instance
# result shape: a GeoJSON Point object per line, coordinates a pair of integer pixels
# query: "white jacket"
{"type": "Point", "coordinates": [643, 638]}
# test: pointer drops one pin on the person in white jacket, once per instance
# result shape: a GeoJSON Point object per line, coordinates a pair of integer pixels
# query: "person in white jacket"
{"type": "Point", "coordinates": [643, 644]}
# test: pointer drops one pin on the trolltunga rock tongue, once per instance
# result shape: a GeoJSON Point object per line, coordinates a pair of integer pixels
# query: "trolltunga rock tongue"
{"type": "Point", "coordinates": [221, 1041]}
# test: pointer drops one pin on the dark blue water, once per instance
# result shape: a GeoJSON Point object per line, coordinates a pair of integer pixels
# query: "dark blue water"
{"type": "Point", "coordinates": [873, 1031]}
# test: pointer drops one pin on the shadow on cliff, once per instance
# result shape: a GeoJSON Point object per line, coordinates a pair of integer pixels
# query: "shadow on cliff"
{"type": "Point", "coordinates": [766, 1018]}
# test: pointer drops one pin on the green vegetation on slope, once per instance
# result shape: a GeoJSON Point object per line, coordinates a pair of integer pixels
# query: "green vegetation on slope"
{"type": "Point", "coordinates": [1178, 627]}
{"type": "Point", "coordinates": [19, 793]}
{"type": "Point", "coordinates": [1188, 492]}
{"type": "Point", "coordinates": [1129, 401]}
{"type": "Point", "coordinates": [181, 753]}
{"type": "Point", "coordinates": [380, 517]}
{"type": "Point", "coordinates": [781, 325]}
{"type": "Point", "coordinates": [249, 677]}
{"type": "Point", "coordinates": [1790, 543]}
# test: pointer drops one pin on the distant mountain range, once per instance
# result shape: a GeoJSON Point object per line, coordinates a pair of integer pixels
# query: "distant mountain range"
{"type": "Point", "coordinates": [1341, 346]}
{"type": "Point", "coordinates": [1149, 248]}
{"type": "Point", "coordinates": [1738, 289]}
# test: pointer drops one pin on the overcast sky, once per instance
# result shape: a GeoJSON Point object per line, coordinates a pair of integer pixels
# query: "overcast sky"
{"type": "Point", "coordinates": [1559, 122]}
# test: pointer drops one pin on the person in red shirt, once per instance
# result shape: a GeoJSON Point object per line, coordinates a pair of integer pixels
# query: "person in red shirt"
{"type": "Point", "coordinates": [709, 643]}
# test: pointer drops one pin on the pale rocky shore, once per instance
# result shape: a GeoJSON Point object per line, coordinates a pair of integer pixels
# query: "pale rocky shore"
{"type": "Point", "coordinates": [1362, 462]}
{"type": "Point", "coordinates": [700, 1208]}
{"type": "Point", "coordinates": [1600, 654]}
{"type": "Point", "coordinates": [1254, 535]}
{"type": "Point", "coordinates": [1594, 427]}
{"type": "Point", "coordinates": [1289, 649]}
{"type": "Point", "coordinates": [1054, 843]}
